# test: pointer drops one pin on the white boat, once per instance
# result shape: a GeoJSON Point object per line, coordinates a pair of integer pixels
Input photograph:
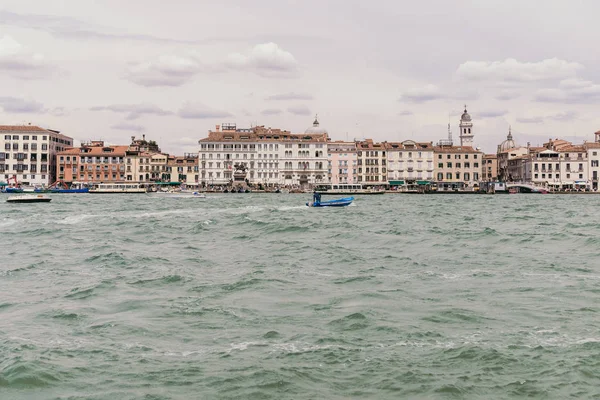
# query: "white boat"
{"type": "Point", "coordinates": [118, 188]}
{"type": "Point", "coordinates": [345, 188]}
{"type": "Point", "coordinates": [29, 198]}
{"type": "Point", "coordinates": [199, 195]}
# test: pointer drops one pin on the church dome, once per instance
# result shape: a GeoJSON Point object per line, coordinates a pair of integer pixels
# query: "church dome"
{"type": "Point", "coordinates": [465, 117]}
{"type": "Point", "coordinates": [315, 128]}
{"type": "Point", "coordinates": [509, 143]}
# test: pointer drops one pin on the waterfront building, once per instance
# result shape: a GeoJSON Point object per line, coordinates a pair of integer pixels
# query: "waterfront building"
{"type": "Point", "coordinates": [518, 167]}
{"type": "Point", "coordinates": [183, 170]}
{"type": "Point", "coordinates": [92, 162]}
{"type": "Point", "coordinates": [372, 163]}
{"type": "Point", "coordinates": [593, 155]}
{"type": "Point", "coordinates": [507, 151]}
{"type": "Point", "coordinates": [489, 168]}
{"type": "Point", "coordinates": [28, 154]}
{"type": "Point", "coordinates": [342, 162]}
{"type": "Point", "coordinates": [266, 156]}
{"type": "Point", "coordinates": [558, 164]}
{"type": "Point", "coordinates": [457, 167]}
{"type": "Point", "coordinates": [144, 162]}
{"type": "Point", "coordinates": [409, 163]}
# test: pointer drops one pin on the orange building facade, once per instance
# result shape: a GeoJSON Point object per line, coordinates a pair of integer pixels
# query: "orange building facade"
{"type": "Point", "coordinates": [92, 162]}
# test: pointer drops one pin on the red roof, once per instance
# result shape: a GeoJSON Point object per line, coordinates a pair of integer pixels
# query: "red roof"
{"type": "Point", "coordinates": [21, 128]}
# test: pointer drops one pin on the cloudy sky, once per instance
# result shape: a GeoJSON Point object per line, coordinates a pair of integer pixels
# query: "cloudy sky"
{"type": "Point", "coordinates": [388, 70]}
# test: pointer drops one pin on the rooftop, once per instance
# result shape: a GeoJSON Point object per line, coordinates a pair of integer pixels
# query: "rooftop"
{"type": "Point", "coordinates": [455, 149]}
{"type": "Point", "coordinates": [22, 128]}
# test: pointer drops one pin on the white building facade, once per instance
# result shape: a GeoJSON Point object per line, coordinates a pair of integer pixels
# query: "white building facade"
{"type": "Point", "coordinates": [270, 157]}
{"type": "Point", "coordinates": [28, 154]}
{"type": "Point", "coordinates": [409, 162]}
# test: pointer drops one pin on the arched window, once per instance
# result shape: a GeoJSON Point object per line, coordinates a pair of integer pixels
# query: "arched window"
{"type": "Point", "coordinates": [469, 130]}
{"type": "Point", "coordinates": [465, 130]}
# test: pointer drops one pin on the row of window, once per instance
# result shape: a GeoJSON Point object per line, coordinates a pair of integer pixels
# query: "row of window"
{"type": "Point", "coordinates": [458, 165]}
{"type": "Point", "coordinates": [557, 176]}
{"type": "Point", "coordinates": [16, 147]}
{"type": "Point", "coordinates": [466, 176]}
{"type": "Point", "coordinates": [35, 137]}
{"type": "Point", "coordinates": [25, 177]}
{"type": "Point", "coordinates": [23, 167]}
{"type": "Point", "coordinates": [457, 156]}
{"type": "Point", "coordinates": [25, 137]}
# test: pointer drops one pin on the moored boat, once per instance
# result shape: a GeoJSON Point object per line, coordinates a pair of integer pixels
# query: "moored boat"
{"type": "Point", "coordinates": [109, 188]}
{"type": "Point", "coordinates": [345, 188]}
{"type": "Point", "coordinates": [29, 198]}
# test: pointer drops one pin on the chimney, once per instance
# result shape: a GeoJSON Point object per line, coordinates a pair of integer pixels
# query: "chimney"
{"type": "Point", "coordinates": [217, 127]}
{"type": "Point", "coordinates": [144, 136]}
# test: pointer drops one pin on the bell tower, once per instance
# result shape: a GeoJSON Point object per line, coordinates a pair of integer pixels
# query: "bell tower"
{"type": "Point", "coordinates": [466, 129]}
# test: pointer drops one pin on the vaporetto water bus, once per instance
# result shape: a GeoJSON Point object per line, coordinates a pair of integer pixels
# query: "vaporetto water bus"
{"type": "Point", "coordinates": [118, 188]}
{"type": "Point", "coordinates": [345, 188]}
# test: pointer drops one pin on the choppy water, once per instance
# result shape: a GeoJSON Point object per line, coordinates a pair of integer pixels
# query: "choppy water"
{"type": "Point", "coordinates": [256, 297]}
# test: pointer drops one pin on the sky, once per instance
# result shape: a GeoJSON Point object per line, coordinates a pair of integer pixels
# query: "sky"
{"type": "Point", "coordinates": [386, 70]}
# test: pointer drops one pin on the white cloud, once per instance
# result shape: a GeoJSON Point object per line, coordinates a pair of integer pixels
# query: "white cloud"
{"type": "Point", "coordinates": [166, 71]}
{"type": "Point", "coordinates": [405, 113]}
{"type": "Point", "coordinates": [18, 62]}
{"type": "Point", "coordinates": [128, 127]}
{"type": "Point", "coordinates": [267, 60]}
{"type": "Point", "coordinates": [290, 96]}
{"type": "Point", "coordinates": [271, 111]}
{"type": "Point", "coordinates": [490, 114]}
{"type": "Point", "coordinates": [134, 111]}
{"type": "Point", "coordinates": [200, 111]}
{"type": "Point", "coordinates": [512, 70]}
{"type": "Point", "coordinates": [299, 110]}
{"type": "Point", "coordinates": [21, 106]}
{"type": "Point", "coordinates": [571, 91]}
{"type": "Point", "coordinates": [422, 94]}
{"type": "Point", "coordinates": [560, 117]}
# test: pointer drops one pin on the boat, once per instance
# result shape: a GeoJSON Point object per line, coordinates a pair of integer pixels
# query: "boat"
{"type": "Point", "coordinates": [61, 187]}
{"type": "Point", "coordinates": [13, 190]}
{"type": "Point", "coordinates": [343, 202]}
{"type": "Point", "coordinates": [107, 188]}
{"type": "Point", "coordinates": [29, 198]}
{"type": "Point", "coordinates": [199, 195]}
{"type": "Point", "coordinates": [345, 188]}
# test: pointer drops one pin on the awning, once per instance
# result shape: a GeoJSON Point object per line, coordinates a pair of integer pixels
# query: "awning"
{"type": "Point", "coordinates": [3, 184]}
{"type": "Point", "coordinates": [423, 182]}
{"type": "Point", "coordinates": [168, 183]}
{"type": "Point", "coordinates": [396, 183]}
{"type": "Point", "coordinates": [580, 182]}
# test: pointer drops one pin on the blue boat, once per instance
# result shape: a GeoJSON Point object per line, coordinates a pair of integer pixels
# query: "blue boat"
{"type": "Point", "coordinates": [61, 190]}
{"type": "Point", "coordinates": [346, 201]}
{"type": "Point", "coordinates": [13, 190]}
{"type": "Point", "coordinates": [61, 187]}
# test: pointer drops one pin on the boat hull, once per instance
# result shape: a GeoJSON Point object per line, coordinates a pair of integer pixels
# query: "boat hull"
{"type": "Point", "coordinates": [84, 190]}
{"type": "Point", "coordinates": [352, 192]}
{"type": "Point", "coordinates": [28, 199]}
{"type": "Point", "coordinates": [332, 203]}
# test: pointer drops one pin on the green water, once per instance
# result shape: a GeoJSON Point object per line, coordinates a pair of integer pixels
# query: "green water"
{"type": "Point", "coordinates": [248, 296]}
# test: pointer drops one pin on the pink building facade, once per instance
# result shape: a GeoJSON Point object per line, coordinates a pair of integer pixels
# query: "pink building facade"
{"type": "Point", "coordinates": [342, 162]}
